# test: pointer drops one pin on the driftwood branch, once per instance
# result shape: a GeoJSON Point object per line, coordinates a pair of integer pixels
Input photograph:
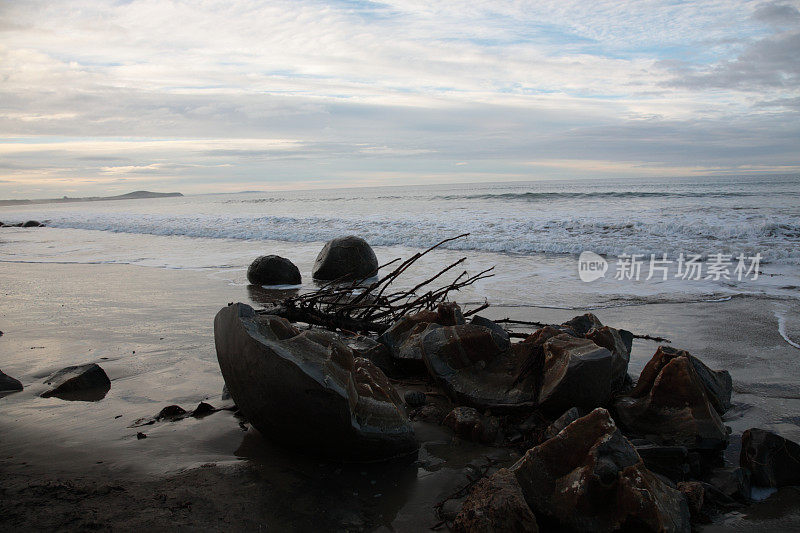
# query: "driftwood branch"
{"type": "Point", "coordinates": [542, 324]}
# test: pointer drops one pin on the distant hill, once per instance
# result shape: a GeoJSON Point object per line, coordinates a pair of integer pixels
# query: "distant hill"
{"type": "Point", "coordinates": [135, 195]}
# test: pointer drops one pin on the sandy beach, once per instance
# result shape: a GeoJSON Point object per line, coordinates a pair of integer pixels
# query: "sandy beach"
{"type": "Point", "coordinates": [150, 329]}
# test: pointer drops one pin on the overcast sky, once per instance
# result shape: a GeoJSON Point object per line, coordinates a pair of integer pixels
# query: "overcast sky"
{"type": "Point", "coordinates": [104, 97]}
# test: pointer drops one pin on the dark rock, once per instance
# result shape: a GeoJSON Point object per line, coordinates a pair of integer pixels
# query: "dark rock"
{"type": "Point", "coordinates": [345, 257]}
{"type": "Point", "coordinates": [717, 383]}
{"type": "Point", "coordinates": [580, 325]}
{"type": "Point", "coordinates": [500, 335]}
{"type": "Point", "coordinates": [273, 270]}
{"type": "Point", "coordinates": [610, 339]}
{"type": "Point", "coordinates": [373, 350]}
{"type": "Point", "coordinates": [203, 409]}
{"type": "Point", "coordinates": [9, 384]}
{"type": "Point", "coordinates": [674, 410]}
{"type": "Point", "coordinates": [430, 413]}
{"type": "Point", "coordinates": [140, 436]}
{"type": "Point", "coordinates": [171, 412]}
{"type": "Point", "coordinates": [694, 493]}
{"type": "Point", "coordinates": [32, 224]}
{"type": "Point", "coordinates": [307, 389]}
{"type": "Point", "coordinates": [415, 398]}
{"type": "Point", "coordinates": [226, 395]}
{"type": "Point", "coordinates": [732, 482]}
{"type": "Point", "coordinates": [590, 478]}
{"type": "Point", "coordinates": [82, 382]}
{"type": "Point", "coordinates": [772, 460]}
{"type": "Point", "coordinates": [569, 416]}
{"type": "Point", "coordinates": [466, 422]}
{"type": "Point", "coordinates": [475, 371]}
{"type": "Point", "coordinates": [577, 373]}
{"type": "Point", "coordinates": [449, 314]}
{"type": "Point", "coordinates": [496, 504]}
{"type": "Point", "coordinates": [670, 461]}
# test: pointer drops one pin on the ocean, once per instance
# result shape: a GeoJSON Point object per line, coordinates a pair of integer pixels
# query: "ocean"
{"type": "Point", "coordinates": [532, 232]}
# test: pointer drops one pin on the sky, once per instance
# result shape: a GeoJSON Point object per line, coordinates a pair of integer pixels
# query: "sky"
{"type": "Point", "coordinates": [105, 97]}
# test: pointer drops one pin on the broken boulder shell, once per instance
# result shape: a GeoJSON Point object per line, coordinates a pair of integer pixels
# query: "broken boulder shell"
{"type": "Point", "coordinates": [307, 390]}
{"type": "Point", "coordinates": [87, 383]}
{"type": "Point", "coordinates": [577, 373]}
{"type": "Point", "coordinates": [496, 503]}
{"type": "Point", "coordinates": [590, 478]}
{"type": "Point", "coordinates": [672, 408]}
{"type": "Point", "coordinates": [9, 384]}
{"type": "Point", "coordinates": [717, 383]}
{"type": "Point", "coordinates": [772, 460]}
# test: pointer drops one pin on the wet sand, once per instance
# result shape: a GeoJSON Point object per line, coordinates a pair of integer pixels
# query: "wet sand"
{"type": "Point", "coordinates": [79, 465]}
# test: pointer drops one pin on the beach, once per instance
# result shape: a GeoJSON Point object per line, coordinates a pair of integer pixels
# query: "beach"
{"type": "Point", "coordinates": [150, 329]}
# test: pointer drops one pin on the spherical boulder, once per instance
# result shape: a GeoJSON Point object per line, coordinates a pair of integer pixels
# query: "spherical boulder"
{"type": "Point", "coordinates": [273, 270]}
{"type": "Point", "coordinates": [345, 257]}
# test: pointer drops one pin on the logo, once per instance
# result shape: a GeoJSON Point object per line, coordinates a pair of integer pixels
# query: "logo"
{"type": "Point", "coordinates": [591, 266]}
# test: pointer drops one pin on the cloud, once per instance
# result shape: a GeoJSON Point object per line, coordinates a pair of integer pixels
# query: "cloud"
{"type": "Point", "coordinates": [307, 90]}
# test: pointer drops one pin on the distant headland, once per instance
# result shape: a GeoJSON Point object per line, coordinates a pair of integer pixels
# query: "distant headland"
{"type": "Point", "coordinates": [135, 195]}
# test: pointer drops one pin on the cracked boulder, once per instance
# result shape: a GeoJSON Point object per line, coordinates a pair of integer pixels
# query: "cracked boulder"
{"type": "Point", "coordinates": [577, 373]}
{"type": "Point", "coordinates": [670, 406]}
{"type": "Point", "coordinates": [589, 478]}
{"type": "Point", "coordinates": [307, 390]}
{"type": "Point", "coordinates": [772, 460]}
{"type": "Point", "coordinates": [716, 383]}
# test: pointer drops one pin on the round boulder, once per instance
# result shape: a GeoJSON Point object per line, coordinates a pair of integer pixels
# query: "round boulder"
{"type": "Point", "coordinates": [345, 257]}
{"type": "Point", "coordinates": [32, 224]}
{"type": "Point", "coordinates": [273, 270]}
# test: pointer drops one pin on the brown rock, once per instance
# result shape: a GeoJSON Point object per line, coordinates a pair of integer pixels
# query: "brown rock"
{"type": "Point", "coordinates": [695, 495]}
{"type": "Point", "coordinates": [590, 478]}
{"type": "Point", "coordinates": [496, 504]}
{"type": "Point", "coordinates": [610, 339]}
{"type": "Point", "coordinates": [674, 410]}
{"type": "Point", "coordinates": [717, 383]}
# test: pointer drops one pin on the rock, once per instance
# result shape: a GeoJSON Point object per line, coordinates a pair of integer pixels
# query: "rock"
{"type": "Point", "coordinates": [672, 408]}
{"type": "Point", "coordinates": [694, 493]}
{"type": "Point", "coordinates": [577, 373]}
{"type": "Point", "coordinates": [500, 335]}
{"type": "Point", "coordinates": [171, 412]}
{"type": "Point", "coordinates": [496, 504]}
{"type": "Point", "coordinates": [473, 370]}
{"type": "Point", "coordinates": [717, 383]}
{"type": "Point", "coordinates": [307, 390]}
{"type": "Point", "coordinates": [580, 325]}
{"type": "Point", "coordinates": [415, 398]}
{"type": "Point", "coordinates": [226, 395]}
{"type": "Point", "coordinates": [86, 382]}
{"type": "Point", "coordinates": [140, 436]}
{"type": "Point", "coordinates": [345, 257]}
{"type": "Point", "coordinates": [610, 339]}
{"type": "Point", "coordinates": [273, 270]}
{"type": "Point", "coordinates": [9, 384]}
{"type": "Point", "coordinates": [430, 413]}
{"type": "Point", "coordinates": [772, 460]}
{"type": "Point", "coordinates": [203, 409]}
{"type": "Point", "coordinates": [732, 482]}
{"type": "Point", "coordinates": [466, 422]}
{"type": "Point", "coordinates": [569, 416]}
{"type": "Point", "coordinates": [373, 350]}
{"type": "Point", "coordinates": [590, 478]}
{"type": "Point", "coordinates": [32, 224]}
{"type": "Point", "coordinates": [670, 461]}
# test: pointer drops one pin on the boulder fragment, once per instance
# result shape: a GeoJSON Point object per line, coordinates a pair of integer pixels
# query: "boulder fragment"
{"type": "Point", "coordinates": [495, 504]}
{"type": "Point", "coordinates": [345, 258]}
{"type": "Point", "coordinates": [717, 383]}
{"type": "Point", "coordinates": [273, 270]}
{"type": "Point", "coordinates": [307, 389]}
{"type": "Point", "coordinates": [9, 384]}
{"type": "Point", "coordinates": [569, 416]}
{"type": "Point", "coordinates": [672, 408]}
{"type": "Point", "coordinates": [468, 424]}
{"type": "Point", "coordinates": [733, 482]}
{"type": "Point", "coordinates": [86, 382]}
{"type": "Point", "coordinates": [610, 339]}
{"type": "Point", "coordinates": [577, 373]}
{"type": "Point", "coordinates": [500, 335]}
{"type": "Point", "coordinates": [772, 460]}
{"type": "Point", "coordinates": [590, 478]}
